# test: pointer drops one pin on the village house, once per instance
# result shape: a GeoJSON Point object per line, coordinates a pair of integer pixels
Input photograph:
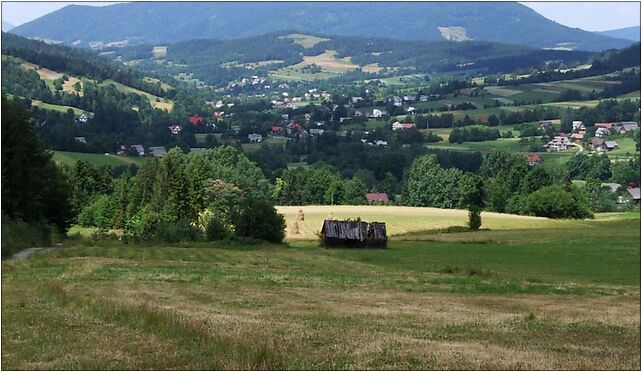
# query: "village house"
{"type": "Point", "coordinates": [610, 145]}
{"type": "Point", "coordinates": [598, 144]}
{"type": "Point", "coordinates": [196, 120]}
{"type": "Point", "coordinates": [577, 137]}
{"type": "Point", "coordinates": [157, 151]}
{"type": "Point", "coordinates": [409, 98]}
{"type": "Point", "coordinates": [608, 126]}
{"type": "Point", "coordinates": [276, 130]}
{"type": "Point", "coordinates": [558, 143]}
{"type": "Point", "coordinates": [377, 198]}
{"type": "Point", "coordinates": [411, 110]}
{"type": "Point", "coordinates": [255, 138]}
{"type": "Point", "coordinates": [376, 113]}
{"type": "Point", "coordinates": [175, 128]}
{"type": "Point", "coordinates": [397, 125]}
{"type": "Point", "coordinates": [626, 127]}
{"type": "Point", "coordinates": [380, 143]}
{"type": "Point", "coordinates": [545, 124]}
{"type": "Point", "coordinates": [423, 98]}
{"type": "Point", "coordinates": [396, 101]}
{"type": "Point", "coordinates": [613, 187]}
{"type": "Point", "coordinates": [80, 139]}
{"type": "Point", "coordinates": [316, 131]}
{"type": "Point", "coordinates": [602, 132]}
{"type": "Point", "coordinates": [634, 192]}
{"type": "Point", "coordinates": [138, 149]}
{"type": "Point", "coordinates": [122, 150]}
{"type": "Point", "coordinates": [534, 159]}
{"type": "Point", "coordinates": [578, 126]}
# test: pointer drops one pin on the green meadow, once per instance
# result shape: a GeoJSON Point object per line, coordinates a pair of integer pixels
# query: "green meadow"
{"type": "Point", "coordinates": [556, 295]}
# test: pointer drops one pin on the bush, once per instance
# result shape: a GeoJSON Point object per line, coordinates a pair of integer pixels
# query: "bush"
{"type": "Point", "coordinates": [259, 219]}
{"type": "Point", "coordinates": [148, 225]}
{"type": "Point", "coordinates": [99, 213]}
{"type": "Point", "coordinates": [555, 202]}
{"type": "Point", "coordinates": [17, 234]}
{"type": "Point", "coordinates": [216, 230]}
{"type": "Point", "coordinates": [474, 219]}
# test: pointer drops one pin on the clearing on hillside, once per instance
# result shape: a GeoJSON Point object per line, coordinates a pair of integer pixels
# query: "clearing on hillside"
{"type": "Point", "coordinates": [306, 41]}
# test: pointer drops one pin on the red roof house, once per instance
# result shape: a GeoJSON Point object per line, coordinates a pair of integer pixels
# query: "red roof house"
{"type": "Point", "coordinates": [377, 197]}
{"type": "Point", "coordinates": [604, 125]}
{"type": "Point", "coordinates": [196, 120]}
{"type": "Point", "coordinates": [534, 159]}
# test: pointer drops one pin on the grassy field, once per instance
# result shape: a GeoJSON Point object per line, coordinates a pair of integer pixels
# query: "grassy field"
{"type": "Point", "coordinates": [59, 108]}
{"type": "Point", "coordinates": [156, 102]}
{"type": "Point", "coordinates": [98, 160]}
{"type": "Point", "coordinates": [517, 299]}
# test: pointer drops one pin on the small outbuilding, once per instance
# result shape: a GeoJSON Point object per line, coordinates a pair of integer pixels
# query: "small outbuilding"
{"type": "Point", "coordinates": [354, 234]}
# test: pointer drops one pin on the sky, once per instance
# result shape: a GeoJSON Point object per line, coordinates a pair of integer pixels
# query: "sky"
{"type": "Point", "coordinates": [590, 16]}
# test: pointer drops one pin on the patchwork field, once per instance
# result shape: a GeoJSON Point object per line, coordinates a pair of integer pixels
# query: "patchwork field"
{"type": "Point", "coordinates": [328, 61]}
{"type": "Point", "coordinates": [566, 296]}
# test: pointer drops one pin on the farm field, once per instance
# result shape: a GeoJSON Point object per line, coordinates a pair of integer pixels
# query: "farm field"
{"type": "Point", "coordinates": [98, 160]}
{"type": "Point", "coordinates": [499, 299]}
{"type": "Point", "coordinates": [406, 220]}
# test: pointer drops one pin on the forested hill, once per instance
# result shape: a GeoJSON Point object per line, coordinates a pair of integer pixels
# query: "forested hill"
{"type": "Point", "coordinates": [217, 62]}
{"type": "Point", "coordinates": [74, 61]}
{"type": "Point", "coordinates": [167, 22]}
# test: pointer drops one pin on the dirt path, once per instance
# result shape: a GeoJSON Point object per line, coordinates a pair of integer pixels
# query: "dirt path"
{"type": "Point", "coordinates": [27, 252]}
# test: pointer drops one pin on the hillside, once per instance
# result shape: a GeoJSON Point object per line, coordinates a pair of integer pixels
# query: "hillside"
{"type": "Point", "coordinates": [300, 56]}
{"type": "Point", "coordinates": [627, 33]}
{"type": "Point", "coordinates": [6, 26]}
{"type": "Point", "coordinates": [139, 23]}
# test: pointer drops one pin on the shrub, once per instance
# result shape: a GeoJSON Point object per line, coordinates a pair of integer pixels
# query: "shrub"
{"type": "Point", "coordinates": [17, 234]}
{"type": "Point", "coordinates": [99, 213]}
{"type": "Point", "coordinates": [216, 230]}
{"type": "Point", "coordinates": [474, 219]}
{"type": "Point", "coordinates": [556, 202]}
{"type": "Point", "coordinates": [148, 225]}
{"type": "Point", "coordinates": [259, 219]}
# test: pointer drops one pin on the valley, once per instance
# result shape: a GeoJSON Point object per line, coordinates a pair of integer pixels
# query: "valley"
{"type": "Point", "coordinates": [310, 185]}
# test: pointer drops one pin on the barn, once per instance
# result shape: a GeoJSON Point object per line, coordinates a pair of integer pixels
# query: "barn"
{"type": "Point", "coordinates": [353, 233]}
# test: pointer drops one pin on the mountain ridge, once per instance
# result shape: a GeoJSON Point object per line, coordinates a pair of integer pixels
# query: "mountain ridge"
{"type": "Point", "coordinates": [628, 33]}
{"type": "Point", "coordinates": [139, 23]}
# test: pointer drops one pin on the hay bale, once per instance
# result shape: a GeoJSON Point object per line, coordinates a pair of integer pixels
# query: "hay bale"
{"type": "Point", "coordinates": [294, 228]}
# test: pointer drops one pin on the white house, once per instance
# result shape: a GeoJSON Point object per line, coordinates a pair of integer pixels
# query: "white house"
{"type": "Point", "coordinates": [255, 138]}
{"type": "Point", "coordinates": [558, 143]}
{"type": "Point", "coordinates": [397, 125]}
{"type": "Point", "coordinates": [601, 132]}
{"type": "Point", "coordinates": [376, 113]}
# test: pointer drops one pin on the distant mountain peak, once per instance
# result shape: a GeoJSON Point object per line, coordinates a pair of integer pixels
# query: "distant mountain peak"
{"type": "Point", "coordinates": [168, 22]}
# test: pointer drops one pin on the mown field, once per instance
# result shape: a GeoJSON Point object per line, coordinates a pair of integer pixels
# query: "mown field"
{"type": "Point", "coordinates": [98, 160]}
{"type": "Point", "coordinates": [555, 296]}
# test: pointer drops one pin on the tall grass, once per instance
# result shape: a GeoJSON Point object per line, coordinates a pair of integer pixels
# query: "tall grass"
{"type": "Point", "coordinates": [17, 234]}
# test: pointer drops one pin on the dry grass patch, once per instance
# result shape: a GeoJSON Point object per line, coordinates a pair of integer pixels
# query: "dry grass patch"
{"type": "Point", "coordinates": [404, 220]}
